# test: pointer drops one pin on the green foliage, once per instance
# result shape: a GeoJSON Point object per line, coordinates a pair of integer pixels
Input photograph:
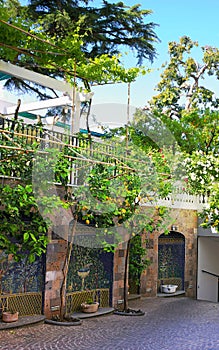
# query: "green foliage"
{"type": "Point", "coordinates": [105, 29]}
{"type": "Point", "coordinates": [179, 87]}
{"type": "Point", "coordinates": [89, 301]}
{"type": "Point", "coordinates": [105, 68]}
{"type": "Point", "coordinates": [189, 110]}
{"type": "Point", "coordinates": [195, 130]}
{"type": "Point", "coordinates": [17, 156]}
{"type": "Point", "coordinates": [59, 43]}
{"type": "Point", "coordinates": [109, 197]}
{"type": "Point", "coordinates": [211, 213]}
{"type": "Point", "coordinates": [138, 261]}
{"type": "Point", "coordinates": [11, 9]}
{"type": "Point", "coordinates": [22, 231]}
{"type": "Point", "coordinates": [203, 179]}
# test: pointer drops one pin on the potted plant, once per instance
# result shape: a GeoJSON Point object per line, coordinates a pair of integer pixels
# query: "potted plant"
{"type": "Point", "coordinates": [89, 306]}
{"type": "Point", "coordinates": [9, 316]}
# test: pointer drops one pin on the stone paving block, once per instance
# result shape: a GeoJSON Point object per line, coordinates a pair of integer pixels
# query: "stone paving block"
{"type": "Point", "coordinates": [176, 323]}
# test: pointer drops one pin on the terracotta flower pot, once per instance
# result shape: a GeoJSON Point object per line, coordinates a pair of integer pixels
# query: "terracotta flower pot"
{"type": "Point", "coordinates": [89, 307]}
{"type": "Point", "coordinates": [9, 316]}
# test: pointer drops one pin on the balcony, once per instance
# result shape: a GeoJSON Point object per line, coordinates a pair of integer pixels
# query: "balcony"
{"type": "Point", "coordinates": [80, 149]}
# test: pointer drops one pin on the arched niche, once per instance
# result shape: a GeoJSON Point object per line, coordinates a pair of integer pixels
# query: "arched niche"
{"type": "Point", "coordinates": [171, 259]}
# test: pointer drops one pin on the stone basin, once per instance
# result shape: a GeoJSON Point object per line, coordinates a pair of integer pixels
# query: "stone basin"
{"type": "Point", "coordinates": [168, 288]}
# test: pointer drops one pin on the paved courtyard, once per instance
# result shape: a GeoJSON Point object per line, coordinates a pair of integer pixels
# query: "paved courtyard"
{"type": "Point", "coordinates": [168, 324]}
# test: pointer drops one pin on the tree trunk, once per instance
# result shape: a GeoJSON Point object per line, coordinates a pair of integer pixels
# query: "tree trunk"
{"type": "Point", "coordinates": [65, 272]}
{"type": "Point", "coordinates": [125, 290]}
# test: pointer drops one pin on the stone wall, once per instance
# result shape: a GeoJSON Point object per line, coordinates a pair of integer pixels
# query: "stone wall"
{"type": "Point", "coordinates": [186, 223]}
{"type": "Point", "coordinates": [56, 252]}
{"type": "Point", "coordinates": [118, 275]}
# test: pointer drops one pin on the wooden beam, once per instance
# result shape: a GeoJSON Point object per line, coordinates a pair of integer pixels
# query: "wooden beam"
{"type": "Point", "coordinates": [43, 80]}
{"type": "Point", "coordinates": [34, 106]}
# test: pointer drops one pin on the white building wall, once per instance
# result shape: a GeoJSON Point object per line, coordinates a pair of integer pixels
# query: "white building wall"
{"type": "Point", "coordinates": [208, 260]}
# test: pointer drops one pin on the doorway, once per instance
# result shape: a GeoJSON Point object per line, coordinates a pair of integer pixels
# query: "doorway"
{"type": "Point", "coordinates": [171, 259]}
{"type": "Point", "coordinates": [208, 268]}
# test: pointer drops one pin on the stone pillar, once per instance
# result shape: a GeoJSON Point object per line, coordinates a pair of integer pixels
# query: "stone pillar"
{"type": "Point", "coordinates": [148, 285]}
{"type": "Point", "coordinates": [118, 276]}
{"type": "Point", "coordinates": [56, 252]}
{"type": "Point", "coordinates": [189, 226]}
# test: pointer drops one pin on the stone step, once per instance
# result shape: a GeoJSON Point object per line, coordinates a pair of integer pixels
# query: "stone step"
{"type": "Point", "coordinates": [176, 294]}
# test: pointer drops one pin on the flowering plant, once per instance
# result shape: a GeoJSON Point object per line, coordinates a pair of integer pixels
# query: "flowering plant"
{"type": "Point", "coordinates": [203, 172]}
{"type": "Point", "coordinates": [203, 176]}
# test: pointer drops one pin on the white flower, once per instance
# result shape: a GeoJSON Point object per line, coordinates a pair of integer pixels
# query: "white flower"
{"type": "Point", "coordinates": [193, 176]}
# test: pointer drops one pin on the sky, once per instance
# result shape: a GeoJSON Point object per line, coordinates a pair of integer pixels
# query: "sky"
{"type": "Point", "coordinates": [197, 19]}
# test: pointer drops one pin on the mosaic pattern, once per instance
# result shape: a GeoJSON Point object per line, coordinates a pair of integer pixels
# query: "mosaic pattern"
{"type": "Point", "coordinates": [90, 268]}
{"type": "Point", "coordinates": [171, 257]}
{"type": "Point", "coordinates": [20, 277]}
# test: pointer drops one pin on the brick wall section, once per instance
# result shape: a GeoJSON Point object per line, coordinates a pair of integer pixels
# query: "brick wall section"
{"type": "Point", "coordinates": [186, 222]}
{"type": "Point", "coordinates": [118, 274]}
{"type": "Point", "coordinates": [148, 286]}
{"type": "Point", "coordinates": [56, 251]}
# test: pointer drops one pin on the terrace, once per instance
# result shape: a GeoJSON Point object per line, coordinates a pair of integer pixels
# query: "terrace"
{"type": "Point", "coordinates": [15, 134]}
{"type": "Point", "coordinates": [80, 148]}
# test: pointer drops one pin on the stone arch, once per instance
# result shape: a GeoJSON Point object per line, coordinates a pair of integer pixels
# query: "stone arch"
{"type": "Point", "coordinates": [171, 259]}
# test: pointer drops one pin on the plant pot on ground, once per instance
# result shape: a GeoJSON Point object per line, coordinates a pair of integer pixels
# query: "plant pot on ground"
{"type": "Point", "coordinates": [89, 306]}
{"type": "Point", "coordinates": [9, 316]}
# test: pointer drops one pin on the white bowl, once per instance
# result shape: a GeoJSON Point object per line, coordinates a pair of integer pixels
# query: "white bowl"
{"type": "Point", "coordinates": [168, 288]}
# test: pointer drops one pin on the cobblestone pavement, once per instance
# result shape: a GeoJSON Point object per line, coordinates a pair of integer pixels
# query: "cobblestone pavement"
{"type": "Point", "coordinates": [168, 324]}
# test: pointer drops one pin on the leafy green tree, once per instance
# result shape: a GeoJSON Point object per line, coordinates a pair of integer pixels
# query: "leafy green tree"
{"type": "Point", "coordinates": [194, 130]}
{"type": "Point", "coordinates": [188, 109]}
{"type": "Point", "coordinates": [23, 230]}
{"type": "Point", "coordinates": [138, 261]}
{"type": "Point", "coordinates": [105, 29]}
{"type": "Point", "coordinates": [184, 104]}
{"type": "Point", "coordinates": [57, 44]}
{"type": "Point", "coordinates": [180, 87]}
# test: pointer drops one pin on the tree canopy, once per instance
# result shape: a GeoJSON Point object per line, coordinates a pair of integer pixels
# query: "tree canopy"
{"type": "Point", "coordinates": [105, 29]}
{"type": "Point", "coordinates": [187, 108]}
{"type": "Point", "coordinates": [180, 88]}
{"type": "Point", "coordinates": [73, 41]}
{"type": "Point", "coordinates": [184, 103]}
